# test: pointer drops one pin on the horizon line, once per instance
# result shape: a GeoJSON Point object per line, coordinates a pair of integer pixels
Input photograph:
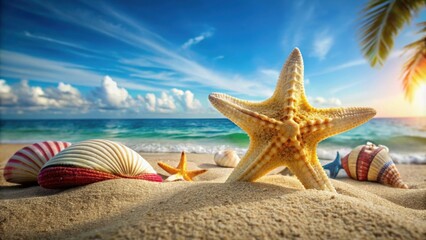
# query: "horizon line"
{"type": "Point", "coordinates": [158, 118]}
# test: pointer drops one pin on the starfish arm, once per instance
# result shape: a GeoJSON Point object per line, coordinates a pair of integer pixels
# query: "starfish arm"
{"type": "Point", "coordinates": [191, 174]}
{"type": "Point", "coordinates": [255, 148]}
{"type": "Point", "coordinates": [290, 92]}
{"type": "Point", "coordinates": [306, 174]}
{"type": "Point", "coordinates": [334, 167]}
{"type": "Point", "coordinates": [264, 162]}
{"type": "Point", "coordinates": [310, 172]}
{"type": "Point", "coordinates": [331, 121]}
{"type": "Point", "coordinates": [168, 168]}
{"type": "Point", "coordinates": [182, 162]}
{"type": "Point", "coordinates": [314, 161]}
{"type": "Point", "coordinates": [323, 176]}
{"type": "Point", "coordinates": [242, 113]}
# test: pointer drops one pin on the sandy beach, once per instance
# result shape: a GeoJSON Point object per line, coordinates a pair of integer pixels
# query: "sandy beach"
{"type": "Point", "coordinates": [275, 207]}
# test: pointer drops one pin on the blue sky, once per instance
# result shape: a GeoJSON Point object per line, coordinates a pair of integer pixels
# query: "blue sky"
{"type": "Point", "coordinates": [136, 59]}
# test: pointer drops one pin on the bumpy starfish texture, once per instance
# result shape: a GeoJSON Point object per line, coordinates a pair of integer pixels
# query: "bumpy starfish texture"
{"type": "Point", "coordinates": [335, 166]}
{"type": "Point", "coordinates": [285, 129]}
{"type": "Point", "coordinates": [180, 172]}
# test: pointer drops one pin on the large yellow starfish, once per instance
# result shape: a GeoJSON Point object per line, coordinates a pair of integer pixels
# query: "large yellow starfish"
{"type": "Point", "coordinates": [285, 129]}
{"type": "Point", "coordinates": [180, 172]}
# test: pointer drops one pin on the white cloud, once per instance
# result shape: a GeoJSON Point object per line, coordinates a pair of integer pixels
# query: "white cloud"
{"type": "Point", "coordinates": [150, 102]}
{"type": "Point", "coordinates": [186, 99]}
{"type": "Point", "coordinates": [110, 96]}
{"type": "Point", "coordinates": [322, 44]}
{"type": "Point", "coordinates": [166, 103]}
{"type": "Point", "coordinates": [65, 96]}
{"type": "Point", "coordinates": [31, 96]}
{"type": "Point", "coordinates": [270, 73]}
{"type": "Point", "coordinates": [177, 92]}
{"type": "Point", "coordinates": [4, 88]}
{"type": "Point", "coordinates": [325, 102]}
{"type": "Point", "coordinates": [307, 81]}
{"type": "Point", "coordinates": [6, 95]}
{"type": "Point", "coordinates": [175, 100]}
{"type": "Point", "coordinates": [197, 39]}
{"type": "Point", "coordinates": [335, 101]}
{"type": "Point", "coordinates": [23, 96]}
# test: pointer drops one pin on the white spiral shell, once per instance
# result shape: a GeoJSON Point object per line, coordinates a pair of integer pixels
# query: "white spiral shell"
{"type": "Point", "coordinates": [227, 158]}
{"type": "Point", "coordinates": [103, 155]}
{"type": "Point", "coordinates": [25, 164]}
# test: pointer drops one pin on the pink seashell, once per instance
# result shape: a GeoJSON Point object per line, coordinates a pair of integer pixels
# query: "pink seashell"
{"type": "Point", "coordinates": [64, 177]}
{"type": "Point", "coordinates": [24, 166]}
{"type": "Point", "coordinates": [372, 163]}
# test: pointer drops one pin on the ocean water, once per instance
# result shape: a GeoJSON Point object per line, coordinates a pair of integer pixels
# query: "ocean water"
{"type": "Point", "coordinates": [405, 137]}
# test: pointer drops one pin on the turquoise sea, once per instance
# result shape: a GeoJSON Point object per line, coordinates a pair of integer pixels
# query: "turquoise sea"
{"type": "Point", "coordinates": [405, 137]}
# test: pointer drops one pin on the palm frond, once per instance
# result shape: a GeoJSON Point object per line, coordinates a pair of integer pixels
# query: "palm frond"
{"type": "Point", "coordinates": [381, 21]}
{"type": "Point", "coordinates": [414, 70]}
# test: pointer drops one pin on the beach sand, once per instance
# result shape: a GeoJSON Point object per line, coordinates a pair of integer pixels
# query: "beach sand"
{"type": "Point", "coordinates": [275, 207]}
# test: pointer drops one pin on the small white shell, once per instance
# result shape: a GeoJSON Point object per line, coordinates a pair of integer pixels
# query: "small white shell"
{"type": "Point", "coordinates": [227, 158]}
{"type": "Point", "coordinates": [25, 164]}
{"type": "Point", "coordinates": [103, 155]}
{"type": "Point", "coordinates": [174, 178]}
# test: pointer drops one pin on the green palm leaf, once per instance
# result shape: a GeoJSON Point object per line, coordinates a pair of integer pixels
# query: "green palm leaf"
{"type": "Point", "coordinates": [382, 21]}
{"type": "Point", "coordinates": [414, 71]}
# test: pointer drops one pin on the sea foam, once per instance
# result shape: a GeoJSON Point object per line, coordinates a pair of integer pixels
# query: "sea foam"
{"type": "Point", "coordinates": [323, 153]}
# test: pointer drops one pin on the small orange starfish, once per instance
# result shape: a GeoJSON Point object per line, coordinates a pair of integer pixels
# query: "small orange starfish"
{"type": "Point", "coordinates": [180, 172]}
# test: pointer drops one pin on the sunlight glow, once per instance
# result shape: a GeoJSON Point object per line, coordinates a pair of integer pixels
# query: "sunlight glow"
{"type": "Point", "coordinates": [419, 99]}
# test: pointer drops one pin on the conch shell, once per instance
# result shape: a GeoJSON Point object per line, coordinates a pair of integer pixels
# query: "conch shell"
{"type": "Point", "coordinates": [93, 161]}
{"type": "Point", "coordinates": [227, 158]}
{"type": "Point", "coordinates": [23, 167]}
{"type": "Point", "coordinates": [372, 163]}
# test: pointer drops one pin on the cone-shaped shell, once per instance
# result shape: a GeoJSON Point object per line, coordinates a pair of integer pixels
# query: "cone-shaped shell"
{"type": "Point", "coordinates": [227, 158]}
{"type": "Point", "coordinates": [372, 163]}
{"type": "Point", "coordinates": [24, 166]}
{"type": "Point", "coordinates": [93, 161]}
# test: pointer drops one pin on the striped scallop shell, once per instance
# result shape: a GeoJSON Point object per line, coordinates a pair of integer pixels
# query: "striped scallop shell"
{"type": "Point", "coordinates": [24, 166]}
{"type": "Point", "coordinates": [92, 161]}
{"type": "Point", "coordinates": [372, 163]}
{"type": "Point", "coordinates": [227, 158]}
